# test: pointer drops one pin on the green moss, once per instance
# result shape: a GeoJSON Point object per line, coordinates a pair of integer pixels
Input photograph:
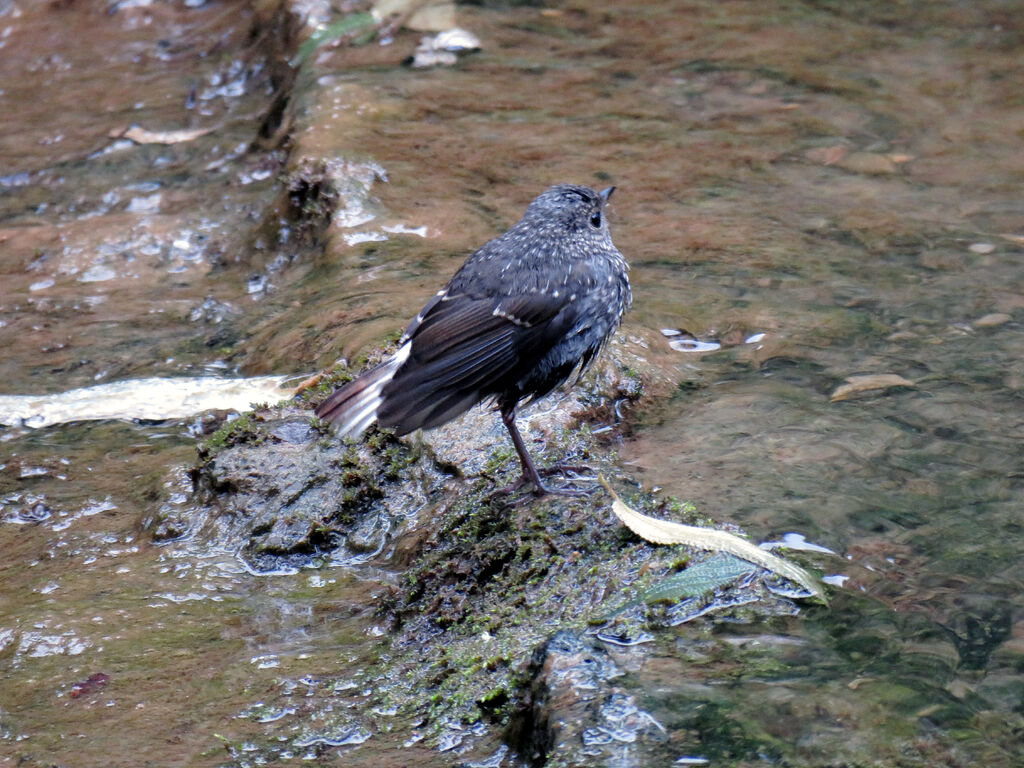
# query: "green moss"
{"type": "Point", "coordinates": [246, 429]}
{"type": "Point", "coordinates": [498, 460]}
{"type": "Point", "coordinates": [496, 581]}
{"type": "Point", "coordinates": [326, 384]}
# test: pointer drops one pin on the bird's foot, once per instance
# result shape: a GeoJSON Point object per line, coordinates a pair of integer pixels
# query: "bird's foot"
{"type": "Point", "coordinates": [565, 469]}
{"type": "Point", "coordinates": [538, 488]}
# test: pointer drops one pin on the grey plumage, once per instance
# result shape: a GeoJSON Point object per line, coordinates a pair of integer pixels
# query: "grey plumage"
{"type": "Point", "coordinates": [517, 319]}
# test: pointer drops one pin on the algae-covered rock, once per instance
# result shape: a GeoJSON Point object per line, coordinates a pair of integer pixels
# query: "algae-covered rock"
{"type": "Point", "coordinates": [289, 495]}
{"type": "Point", "coordinates": [479, 578]}
{"type": "Point", "coordinates": [280, 486]}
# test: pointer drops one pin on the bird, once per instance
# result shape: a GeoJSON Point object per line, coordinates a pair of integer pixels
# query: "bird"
{"type": "Point", "coordinates": [524, 313]}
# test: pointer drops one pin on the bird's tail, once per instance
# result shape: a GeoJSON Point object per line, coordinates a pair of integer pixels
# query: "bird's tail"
{"type": "Point", "coordinates": [353, 408]}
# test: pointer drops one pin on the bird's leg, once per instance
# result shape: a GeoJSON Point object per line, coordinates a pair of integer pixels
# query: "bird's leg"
{"type": "Point", "coordinates": [530, 474]}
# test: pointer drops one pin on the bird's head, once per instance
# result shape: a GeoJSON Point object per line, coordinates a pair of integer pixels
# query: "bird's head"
{"type": "Point", "coordinates": [571, 208]}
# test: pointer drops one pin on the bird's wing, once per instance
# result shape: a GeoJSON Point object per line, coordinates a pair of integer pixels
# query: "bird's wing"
{"type": "Point", "coordinates": [467, 348]}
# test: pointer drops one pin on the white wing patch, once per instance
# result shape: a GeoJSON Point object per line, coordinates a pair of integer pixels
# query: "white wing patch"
{"type": "Point", "coordinates": [362, 411]}
{"type": "Point", "coordinates": [499, 312]}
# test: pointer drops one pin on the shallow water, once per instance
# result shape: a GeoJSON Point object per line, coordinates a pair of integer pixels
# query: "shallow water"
{"type": "Point", "coordinates": [157, 399]}
{"type": "Point", "coordinates": [819, 193]}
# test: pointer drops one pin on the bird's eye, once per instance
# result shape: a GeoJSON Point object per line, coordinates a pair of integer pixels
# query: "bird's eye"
{"type": "Point", "coordinates": [595, 219]}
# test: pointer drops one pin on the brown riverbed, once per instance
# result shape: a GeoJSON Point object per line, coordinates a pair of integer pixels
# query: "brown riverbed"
{"type": "Point", "coordinates": [821, 190]}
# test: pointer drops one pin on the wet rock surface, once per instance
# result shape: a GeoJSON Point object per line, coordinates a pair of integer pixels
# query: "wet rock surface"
{"type": "Point", "coordinates": [293, 496]}
{"type": "Point", "coordinates": [578, 713]}
{"type": "Point", "coordinates": [808, 194]}
{"type": "Point", "coordinates": [505, 605]}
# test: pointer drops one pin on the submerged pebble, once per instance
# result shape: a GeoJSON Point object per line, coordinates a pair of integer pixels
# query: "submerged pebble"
{"type": "Point", "coordinates": [683, 341]}
{"type": "Point", "coordinates": [694, 345]}
{"type": "Point", "coordinates": [993, 319]}
{"type": "Point", "coordinates": [97, 274]}
{"type": "Point", "coordinates": [442, 49]}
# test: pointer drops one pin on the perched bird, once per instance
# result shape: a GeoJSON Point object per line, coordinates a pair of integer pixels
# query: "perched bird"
{"type": "Point", "coordinates": [523, 313]}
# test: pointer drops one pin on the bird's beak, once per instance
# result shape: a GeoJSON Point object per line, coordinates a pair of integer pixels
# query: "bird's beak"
{"type": "Point", "coordinates": [606, 193]}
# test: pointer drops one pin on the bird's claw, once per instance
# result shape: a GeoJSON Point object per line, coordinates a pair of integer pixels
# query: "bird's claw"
{"type": "Point", "coordinates": [538, 488]}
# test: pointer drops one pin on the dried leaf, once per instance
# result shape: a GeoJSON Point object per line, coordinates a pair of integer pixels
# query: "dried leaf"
{"type": "Point", "coordinates": [667, 532]}
{"type": "Point", "coordinates": [867, 162]}
{"type": "Point", "coordinates": [827, 155]}
{"type": "Point", "coordinates": [435, 17]}
{"type": "Point", "coordinates": [141, 136]}
{"type": "Point", "coordinates": [993, 319]}
{"type": "Point", "coordinates": [856, 384]}
{"type": "Point", "coordinates": [308, 383]}
{"type": "Point", "coordinates": [418, 15]}
{"type": "Point", "coordinates": [382, 9]}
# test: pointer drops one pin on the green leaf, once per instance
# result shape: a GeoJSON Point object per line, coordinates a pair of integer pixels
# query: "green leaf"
{"type": "Point", "coordinates": [344, 26]}
{"type": "Point", "coordinates": [699, 579]}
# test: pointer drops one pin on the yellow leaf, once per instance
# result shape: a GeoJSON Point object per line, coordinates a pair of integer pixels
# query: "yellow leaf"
{"type": "Point", "coordinates": [666, 532]}
{"type": "Point", "coordinates": [856, 384]}
{"type": "Point", "coordinates": [141, 136]}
